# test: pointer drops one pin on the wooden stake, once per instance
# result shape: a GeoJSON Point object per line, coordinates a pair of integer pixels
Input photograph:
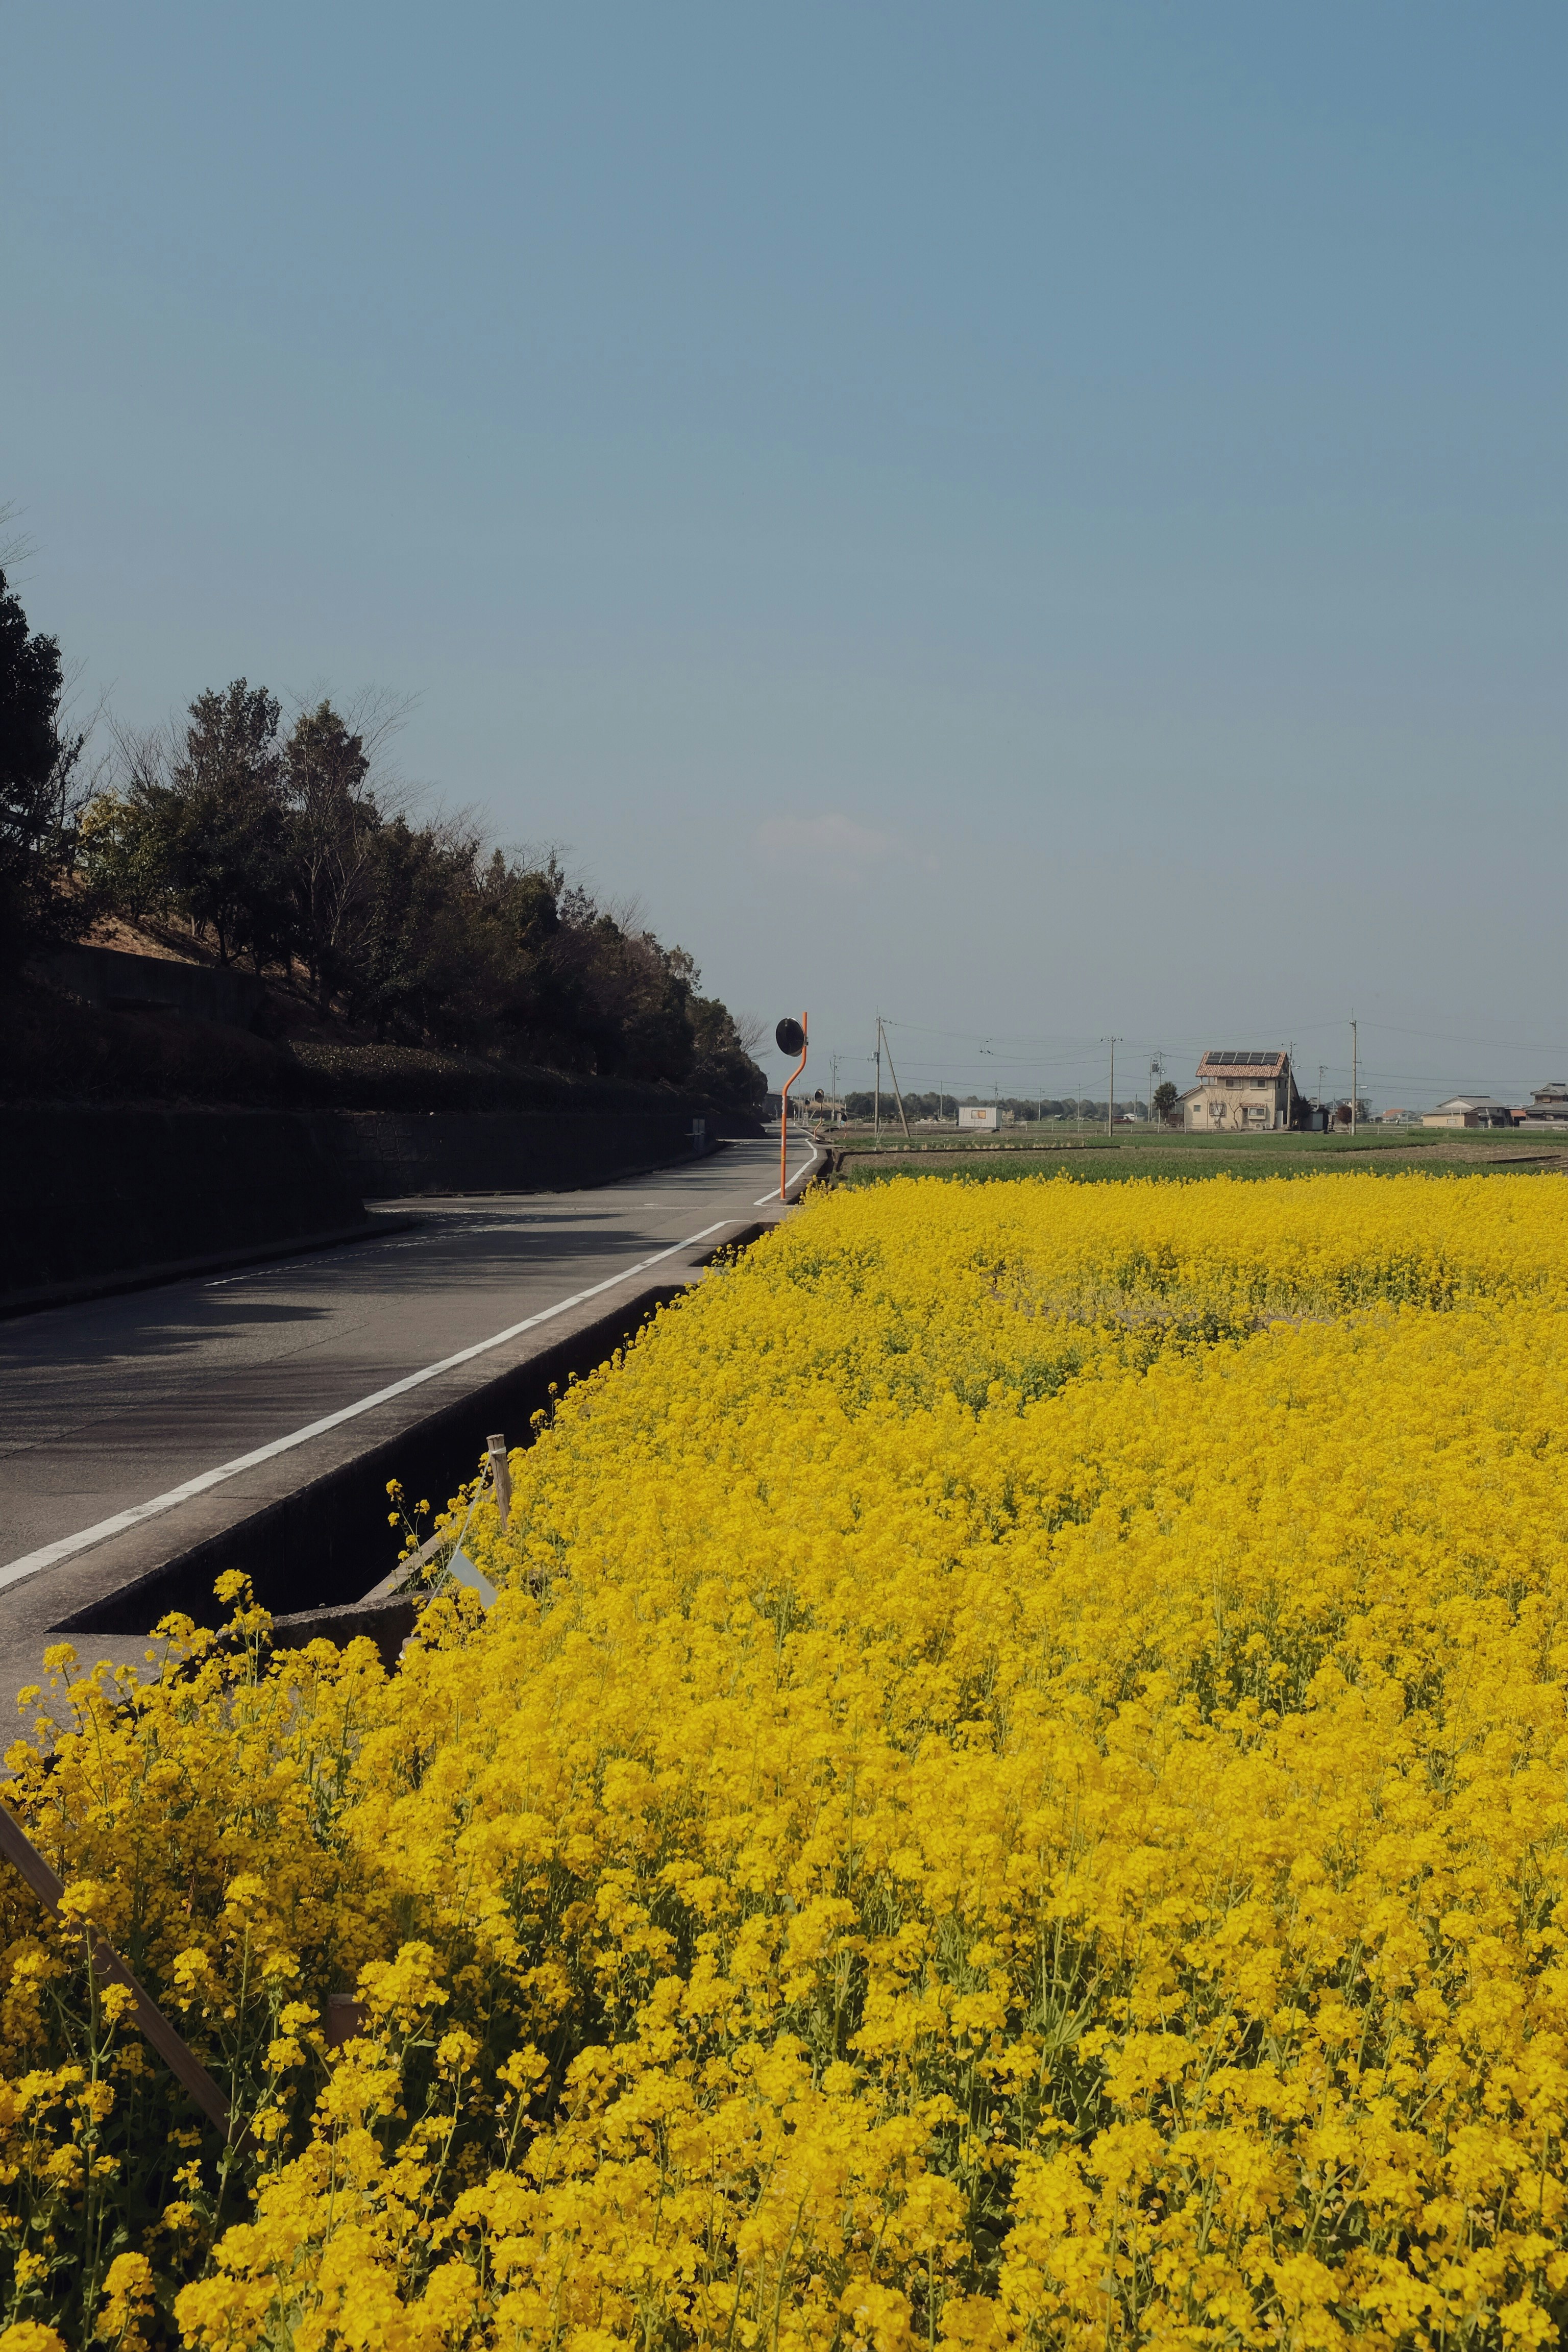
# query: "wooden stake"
{"type": "Point", "coordinates": [178, 2055]}
{"type": "Point", "coordinates": [500, 1475]}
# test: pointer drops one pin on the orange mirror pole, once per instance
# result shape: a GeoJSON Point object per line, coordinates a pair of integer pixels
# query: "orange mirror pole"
{"type": "Point", "coordinates": [784, 1106]}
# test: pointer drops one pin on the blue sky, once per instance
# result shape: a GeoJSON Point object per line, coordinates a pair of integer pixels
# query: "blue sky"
{"type": "Point", "coordinates": [1048, 521]}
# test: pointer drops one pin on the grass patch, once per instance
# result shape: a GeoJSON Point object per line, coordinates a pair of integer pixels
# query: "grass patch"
{"type": "Point", "coordinates": [1178, 1160]}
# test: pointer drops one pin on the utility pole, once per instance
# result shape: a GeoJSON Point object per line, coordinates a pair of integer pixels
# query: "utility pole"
{"type": "Point", "coordinates": [898, 1097]}
{"type": "Point", "coordinates": [1110, 1106]}
{"type": "Point", "coordinates": [877, 1105]}
{"type": "Point", "coordinates": [1355, 1075]}
{"type": "Point", "coordinates": [1156, 1064]}
{"type": "Point", "coordinates": [833, 1061]}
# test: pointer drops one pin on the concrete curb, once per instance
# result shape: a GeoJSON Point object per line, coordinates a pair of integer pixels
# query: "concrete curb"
{"type": "Point", "coordinates": [388, 1619]}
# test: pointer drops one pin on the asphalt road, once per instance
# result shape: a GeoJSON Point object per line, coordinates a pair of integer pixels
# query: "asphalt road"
{"type": "Point", "coordinates": [130, 1427]}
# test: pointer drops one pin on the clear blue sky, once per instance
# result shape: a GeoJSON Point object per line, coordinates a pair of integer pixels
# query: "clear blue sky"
{"type": "Point", "coordinates": [1049, 520]}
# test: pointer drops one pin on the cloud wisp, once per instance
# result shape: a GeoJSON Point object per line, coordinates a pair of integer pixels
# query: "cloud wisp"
{"type": "Point", "coordinates": [831, 847]}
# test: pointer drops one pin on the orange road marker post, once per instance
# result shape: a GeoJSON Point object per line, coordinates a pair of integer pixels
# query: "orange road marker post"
{"type": "Point", "coordinates": [790, 1038]}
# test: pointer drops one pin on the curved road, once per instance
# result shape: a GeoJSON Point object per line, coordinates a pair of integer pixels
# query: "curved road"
{"type": "Point", "coordinates": [134, 1427]}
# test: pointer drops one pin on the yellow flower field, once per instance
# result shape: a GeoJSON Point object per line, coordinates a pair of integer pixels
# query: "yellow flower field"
{"type": "Point", "coordinates": [1015, 1793]}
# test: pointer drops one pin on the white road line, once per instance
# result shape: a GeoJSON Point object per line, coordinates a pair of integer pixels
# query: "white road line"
{"type": "Point", "coordinates": [31, 1563]}
{"type": "Point", "coordinates": [799, 1172]}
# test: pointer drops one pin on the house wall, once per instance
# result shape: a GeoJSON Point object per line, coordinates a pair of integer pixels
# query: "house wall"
{"type": "Point", "coordinates": [1242, 1106]}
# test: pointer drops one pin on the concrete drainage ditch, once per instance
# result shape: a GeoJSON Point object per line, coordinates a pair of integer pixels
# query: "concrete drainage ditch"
{"type": "Point", "coordinates": [312, 1555]}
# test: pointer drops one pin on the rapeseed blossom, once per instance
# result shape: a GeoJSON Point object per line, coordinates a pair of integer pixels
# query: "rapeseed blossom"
{"type": "Point", "coordinates": [1014, 1793]}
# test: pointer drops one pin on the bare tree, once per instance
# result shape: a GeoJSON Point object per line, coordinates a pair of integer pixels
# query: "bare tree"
{"type": "Point", "coordinates": [340, 791]}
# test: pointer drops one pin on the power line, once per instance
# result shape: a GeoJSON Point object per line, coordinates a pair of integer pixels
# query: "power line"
{"type": "Point", "coordinates": [1197, 1039]}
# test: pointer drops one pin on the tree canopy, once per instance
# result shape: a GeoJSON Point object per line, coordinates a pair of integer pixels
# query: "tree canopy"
{"type": "Point", "coordinates": [286, 849]}
{"type": "Point", "coordinates": [39, 761]}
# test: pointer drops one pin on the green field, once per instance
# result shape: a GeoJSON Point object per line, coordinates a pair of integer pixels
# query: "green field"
{"type": "Point", "coordinates": [1175, 1158]}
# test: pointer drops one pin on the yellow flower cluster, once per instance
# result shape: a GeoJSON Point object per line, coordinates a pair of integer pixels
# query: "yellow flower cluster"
{"type": "Point", "coordinates": [1013, 1794]}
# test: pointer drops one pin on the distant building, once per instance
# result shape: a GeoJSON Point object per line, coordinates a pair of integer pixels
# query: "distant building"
{"type": "Point", "coordinates": [1241, 1092]}
{"type": "Point", "coordinates": [1469, 1110]}
{"type": "Point", "coordinates": [980, 1115]}
{"type": "Point", "coordinates": [1547, 1104]}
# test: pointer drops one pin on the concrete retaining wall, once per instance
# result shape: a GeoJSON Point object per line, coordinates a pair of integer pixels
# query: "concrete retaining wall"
{"type": "Point", "coordinates": [117, 983]}
{"type": "Point", "coordinates": [387, 1154]}
{"type": "Point", "coordinates": [87, 1196]}
{"type": "Point", "coordinates": [93, 1200]}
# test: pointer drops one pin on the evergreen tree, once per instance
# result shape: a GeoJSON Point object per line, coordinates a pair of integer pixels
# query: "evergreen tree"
{"type": "Point", "coordinates": [38, 762]}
